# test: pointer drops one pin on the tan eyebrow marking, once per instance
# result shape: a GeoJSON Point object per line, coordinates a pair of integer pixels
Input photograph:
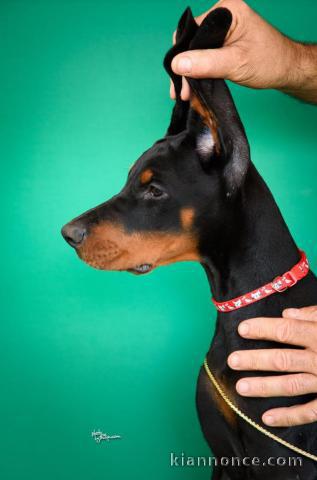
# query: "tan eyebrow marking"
{"type": "Point", "coordinates": [146, 176]}
{"type": "Point", "coordinates": [187, 216]}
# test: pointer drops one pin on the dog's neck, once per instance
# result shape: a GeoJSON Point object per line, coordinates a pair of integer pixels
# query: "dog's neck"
{"type": "Point", "coordinates": [259, 246]}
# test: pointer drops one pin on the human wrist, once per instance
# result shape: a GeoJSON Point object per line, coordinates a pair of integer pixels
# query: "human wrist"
{"type": "Point", "coordinates": [300, 79]}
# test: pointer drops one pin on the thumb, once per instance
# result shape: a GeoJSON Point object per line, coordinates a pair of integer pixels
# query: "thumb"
{"type": "Point", "coordinates": [306, 313]}
{"type": "Point", "coordinates": [213, 63]}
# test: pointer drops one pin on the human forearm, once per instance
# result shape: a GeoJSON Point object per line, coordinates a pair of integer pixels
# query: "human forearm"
{"type": "Point", "coordinates": [301, 81]}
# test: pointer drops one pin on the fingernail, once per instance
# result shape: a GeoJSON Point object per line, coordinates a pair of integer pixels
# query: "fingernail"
{"type": "Point", "coordinates": [268, 419]}
{"type": "Point", "coordinates": [291, 312]}
{"type": "Point", "coordinates": [184, 65]}
{"type": "Point", "coordinates": [244, 328]}
{"type": "Point", "coordinates": [234, 360]}
{"type": "Point", "coordinates": [243, 386]}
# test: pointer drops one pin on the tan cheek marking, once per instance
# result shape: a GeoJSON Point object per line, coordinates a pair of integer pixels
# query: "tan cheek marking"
{"type": "Point", "coordinates": [208, 118]}
{"type": "Point", "coordinates": [187, 216]}
{"type": "Point", "coordinates": [146, 176]}
{"type": "Point", "coordinates": [109, 247]}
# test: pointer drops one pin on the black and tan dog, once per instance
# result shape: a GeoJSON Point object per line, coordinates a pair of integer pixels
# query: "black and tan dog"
{"type": "Point", "coordinates": [195, 195]}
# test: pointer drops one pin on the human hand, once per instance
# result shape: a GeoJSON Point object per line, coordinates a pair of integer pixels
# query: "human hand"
{"type": "Point", "coordinates": [254, 54]}
{"type": "Point", "coordinates": [297, 327]}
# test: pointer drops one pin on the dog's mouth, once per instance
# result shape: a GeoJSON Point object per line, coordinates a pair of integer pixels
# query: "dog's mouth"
{"type": "Point", "coordinates": [141, 269]}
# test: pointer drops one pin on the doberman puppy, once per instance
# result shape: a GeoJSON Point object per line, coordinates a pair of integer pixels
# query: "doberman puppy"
{"type": "Point", "coordinates": [195, 195]}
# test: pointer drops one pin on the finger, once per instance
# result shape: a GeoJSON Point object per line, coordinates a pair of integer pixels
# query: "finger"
{"type": "Point", "coordinates": [283, 330]}
{"type": "Point", "coordinates": [172, 90]}
{"type": "Point", "coordinates": [274, 360]}
{"type": "Point", "coordinates": [212, 63]}
{"type": "Point", "coordinates": [291, 416]}
{"type": "Point", "coordinates": [280, 386]}
{"type": "Point", "coordinates": [201, 17]}
{"type": "Point", "coordinates": [230, 4]}
{"type": "Point", "coordinates": [185, 93]}
{"type": "Point", "coordinates": [306, 313]}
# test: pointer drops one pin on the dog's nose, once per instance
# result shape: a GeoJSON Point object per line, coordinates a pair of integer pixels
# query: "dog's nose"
{"type": "Point", "coordinates": [74, 234]}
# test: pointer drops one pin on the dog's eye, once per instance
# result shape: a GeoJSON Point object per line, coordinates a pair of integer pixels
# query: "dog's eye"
{"type": "Point", "coordinates": [154, 192]}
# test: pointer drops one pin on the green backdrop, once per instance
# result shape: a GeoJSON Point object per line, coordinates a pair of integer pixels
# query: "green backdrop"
{"type": "Point", "coordinates": [83, 94]}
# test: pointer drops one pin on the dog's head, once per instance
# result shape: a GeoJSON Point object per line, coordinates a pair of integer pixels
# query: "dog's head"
{"type": "Point", "coordinates": [182, 192]}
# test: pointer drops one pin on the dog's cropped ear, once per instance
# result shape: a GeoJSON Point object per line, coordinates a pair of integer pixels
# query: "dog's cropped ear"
{"type": "Point", "coordinates": [186, 30]}
{"type": "Point", "coordinates": [213, 118]}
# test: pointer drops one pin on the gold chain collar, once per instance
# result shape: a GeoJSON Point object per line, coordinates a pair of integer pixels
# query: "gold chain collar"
{"type": "Point", "coordinates": [252, 422]}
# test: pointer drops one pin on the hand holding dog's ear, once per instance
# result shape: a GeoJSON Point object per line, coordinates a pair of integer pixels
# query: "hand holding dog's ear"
{"type": "Point", "coordinates": [248, 56]}
{"type": "Point", "coordinates": [212, 120]}
{"type": "Point", "coordinates": [254, 54]}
